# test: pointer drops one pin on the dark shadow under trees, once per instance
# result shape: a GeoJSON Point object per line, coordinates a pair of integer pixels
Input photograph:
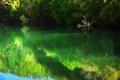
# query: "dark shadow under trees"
{"type": "Point", "coordinates": [116, 37]}
{"type": "Point", "coordinates": [57, 69]}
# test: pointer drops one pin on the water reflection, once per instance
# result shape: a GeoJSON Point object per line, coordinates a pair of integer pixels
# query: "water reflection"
{"type": "Point", "coordinates": [63, 56]}
{"type": "Point", "coordinates": [61, 71]}
{"type": "Point", "coordinates": [9, 76]}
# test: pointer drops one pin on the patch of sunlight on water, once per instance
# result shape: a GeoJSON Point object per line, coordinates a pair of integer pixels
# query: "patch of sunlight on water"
{"type": "Point", "coordinates": [9, 76]}
{"type": "Point", "coordinates": [18, 41]}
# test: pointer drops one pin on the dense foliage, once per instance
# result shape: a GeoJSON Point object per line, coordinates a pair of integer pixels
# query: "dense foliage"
{"type": "Point", "coordinates": [60, 11]}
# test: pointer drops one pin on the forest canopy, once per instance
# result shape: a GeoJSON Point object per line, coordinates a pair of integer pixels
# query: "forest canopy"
{"type": "Point", "coordinates": [59, 11]}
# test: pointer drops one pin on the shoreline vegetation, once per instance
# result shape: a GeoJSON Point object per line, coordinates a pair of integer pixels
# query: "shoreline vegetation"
{"type": "Point", "coordinates": [65, 12]}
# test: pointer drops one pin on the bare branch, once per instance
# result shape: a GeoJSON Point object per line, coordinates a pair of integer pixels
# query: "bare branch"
{"type": "Point", "coordinates": [85, 26]}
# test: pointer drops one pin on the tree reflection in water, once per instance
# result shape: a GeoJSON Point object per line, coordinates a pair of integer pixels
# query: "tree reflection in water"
{"type": "Point", "coordinates": [59, 70]}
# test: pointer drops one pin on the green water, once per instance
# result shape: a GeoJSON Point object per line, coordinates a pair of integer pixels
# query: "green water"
{"type": "Point", "coordinates": [61, 55]}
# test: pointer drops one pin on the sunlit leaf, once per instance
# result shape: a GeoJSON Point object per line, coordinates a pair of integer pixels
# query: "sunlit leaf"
{"type": "Point", "coordinates": [104, 1]}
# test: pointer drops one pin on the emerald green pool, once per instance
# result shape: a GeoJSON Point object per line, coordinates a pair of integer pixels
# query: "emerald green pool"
{"type": "Point", "coordinates": [62, 55]}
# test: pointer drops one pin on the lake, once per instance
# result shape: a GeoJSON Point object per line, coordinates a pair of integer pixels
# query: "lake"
{"type": "Point", "coordinates": [59, 55]}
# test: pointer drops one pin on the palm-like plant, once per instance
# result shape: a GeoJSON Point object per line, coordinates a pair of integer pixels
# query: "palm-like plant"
{"type": "Point", "coordinates": [85, 26]}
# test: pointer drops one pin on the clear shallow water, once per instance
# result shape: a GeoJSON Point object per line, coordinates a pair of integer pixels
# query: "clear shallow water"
{"type": "Point", "coordinates": [9, 76]}
{"type": "Point", "coordinates": [62, 55]}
